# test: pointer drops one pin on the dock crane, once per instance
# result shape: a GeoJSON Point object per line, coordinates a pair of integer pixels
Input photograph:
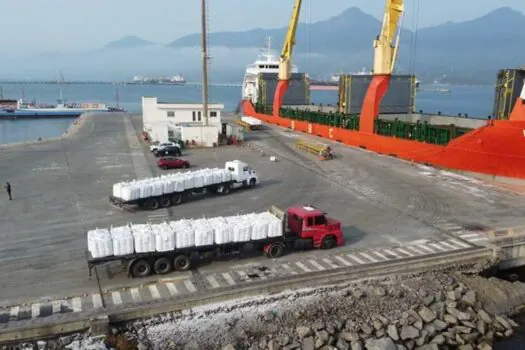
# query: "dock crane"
{"type": "Point", "coordinates": [518, 112]}
{"type": "Point", "coordinates": [285, 62]}
{"type": "Point", "coordinates": [385, 54]}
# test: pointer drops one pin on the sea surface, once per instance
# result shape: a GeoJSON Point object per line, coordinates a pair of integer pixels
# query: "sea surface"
{"type": "Point", "coordinates": [475, 101]}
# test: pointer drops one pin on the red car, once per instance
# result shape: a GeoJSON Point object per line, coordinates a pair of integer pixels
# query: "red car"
{"type": "Point", "coordinates": [172, 163]}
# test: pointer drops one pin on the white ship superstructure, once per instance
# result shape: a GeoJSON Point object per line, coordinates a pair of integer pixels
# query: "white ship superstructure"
{"type": "Point", "coordinates": [267, 62]}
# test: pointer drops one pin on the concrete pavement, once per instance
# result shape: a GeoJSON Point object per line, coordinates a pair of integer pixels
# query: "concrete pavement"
{"type": "Point", "coordinates": [60, 190]}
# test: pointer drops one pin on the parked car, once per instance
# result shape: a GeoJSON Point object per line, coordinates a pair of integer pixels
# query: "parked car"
{"type": "Point", "coordinates": [154, 148]}
{"type": "Point", "coordinates": [172, 163]}
{"type": "Point", "coordinates": [168, 151]}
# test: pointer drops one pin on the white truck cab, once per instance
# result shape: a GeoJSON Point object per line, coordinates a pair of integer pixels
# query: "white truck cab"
{"type": "Point", "coordinates": [242, 174]}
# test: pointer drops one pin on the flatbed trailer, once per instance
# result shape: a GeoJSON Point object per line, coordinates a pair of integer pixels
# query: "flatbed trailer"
{"type": "Point", "coordinates": [297, 231]}
{"type": "Point", "coordinates": [248, 126]}
{"type": "Point", "coordinates": [242, 177]}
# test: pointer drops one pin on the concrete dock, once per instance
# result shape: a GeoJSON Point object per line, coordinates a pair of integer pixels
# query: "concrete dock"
{"type": "Point", "coordinates": [60, 190]}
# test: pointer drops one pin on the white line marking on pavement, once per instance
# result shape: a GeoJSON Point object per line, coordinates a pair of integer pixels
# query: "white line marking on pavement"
{"type": "Point", "coordinates": [228, 278]}
{"type": "Point", "coordinates": [428, 249]}
{"type": "Point", "coordinates": [316, 265]}
{"type": "Point", "coordinates": [14, 311]}
{"type": "Point", "coordinates": [117, 299]}
{"type": "Point", "coordinates": [189, 286]}
{"type": "Point", "coordinates": [368, 257]}
{"type": "Point", "coordinates": [77, 304]}
{"type": "Point", "coordinates": [435, 245]}
{"type": "Point", "coordinates": [135, 294]}
{"type": "Point", "coordinates": [478, 239]}
{"type": "Point", "coordinates": [390, 252]}
{"type": "Point", "coordinates": [461, 244]}
{"type": "Point", "coordinates": [172, 288]}
{"type": "Point", "coordinates": [355, 258]}
{"type": "Point", "coordinates": [343, 260]}
{"type": "Point", "coordinates": [97, 301]}
{"type": "Point", "coordinates": [213, 282]}
{"type": "Point", "coordinates": [35, 310]}
{"type": "Point", "coordinates": [467, 235]}
{"type": "Point", "coordinates": [303, 267]}
{"type": "Point", "coordinates": [402, 251]}
{"type": "Point", "coordinates": [414, 249]}
{"type": "Point", "coordinates": [289, 269]}
{"type": "Point", "coordinates": [242, 274]}
{"type": "Point", "coordinates": [154, 291]}
{"type": "Point", "coordinates": [448, 245]}
{"type": "Point", "coordinates": [380, 255]}
{"type": "Point", "coordinates": [330, 263]}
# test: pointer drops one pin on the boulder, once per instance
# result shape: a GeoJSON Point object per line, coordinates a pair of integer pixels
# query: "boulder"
{"type": "Point", "coordinates": [308, 343]}
{"type": "Point", "coordinates": [484, 346]}
{"type": "Point", "coordinates": [366, 329]}
{"type": "Point", "coordinates": [409, 332]}
{"type": "Point", "coordinates": [428, 300]}
{"type": "Point", "coordinates": [193, 345]}
{"type": "Point", "coordinates": [229, 347]}
{"type": "Point", "coordinates": [377, 324]}
{"type": "Point", "coordinates": [349, 336]}
{"type": "Point", "coordinates": [439, 325]}
{"type": "Point", "coordinates": [466, 347]}
{"type": "Point", "coordinates": [431, 330]}
{"type": "Point", "coordinates": [462, 316]}
{"type": "Point", "coordinates": [423, 338]}
{"type": "Point", "coordinates": [273, 345]}
{"type": "Point", "coordinates": [450, 319]}
{"type": "Point", "coordinates": [292, 346]}
{"type": "Point", "coordinates": [303, 332]}
{"type": "Point", "coordinates": [469, 298]}
{"type": "Point", "coordinates": [468, 324]}
{"type": "Point", "coordinates": [356, 345]}
{"type": "Point", "coordinates": [438, 339]}
{"type": "Point", "coordinates": [392, 332]}
{"type": "Point", "coordinates": [380, 291]}
{"type": "Point", "coordinates": [482, 314]}
{"type": "Point", "coordinates": [480, 326]}
{"type": "Point", "coordinates": [323, 336]}
{"type": "Point", "coordinates": [502, 321]}
{"type": "Point", "coordinates": [426, 314]}
{"type": "Point", "coordinates": [381, 344]}
{"type": "Point", "coordinates": [341, 344]}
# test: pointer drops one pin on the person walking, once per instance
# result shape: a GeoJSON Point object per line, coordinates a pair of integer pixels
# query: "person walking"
{"type": "Point", "coordinates": [8, 189]}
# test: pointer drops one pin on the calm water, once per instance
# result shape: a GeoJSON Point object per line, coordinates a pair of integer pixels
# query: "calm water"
{"type": "Point", "coordinates": [476, 101]}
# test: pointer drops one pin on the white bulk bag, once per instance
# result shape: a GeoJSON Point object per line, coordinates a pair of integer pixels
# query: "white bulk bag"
{"type": "Point", "coordinates": [122, 239]}
{"type": "Point", "coordinates": [184, 234]}
{"type": "Point", "coordinates": [188, 181]}
{"type": "Point", "coordinates": [198, 180]}
{"type": "Point", "coordinates": [259, 229]}
{"type": "Point", "coordinates": [99, 243]}
{"type": "Point", "coordinates": [116, 189]}
{"type": "Point", "coordinates": [204, 233]}
{"type": "Point", "coordinates": [164, 237]}
{"type": "Point", "coordinates": [144, 238]}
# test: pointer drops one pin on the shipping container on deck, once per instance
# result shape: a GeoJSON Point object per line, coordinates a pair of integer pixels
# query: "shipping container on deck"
{"type": "Point", "coordinates": [400, 97]}
{"type": "Point", "coordinates": [298, 92]}
{"type": "Point", "coordinates": [508, 88]}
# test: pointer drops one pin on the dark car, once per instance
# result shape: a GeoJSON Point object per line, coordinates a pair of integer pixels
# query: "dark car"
{"type": "Point", "coordinates": [172, 163]}
{"type": "Point", "coordinates": [168, 151]}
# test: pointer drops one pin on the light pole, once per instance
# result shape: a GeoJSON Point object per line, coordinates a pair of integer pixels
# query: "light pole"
{"type": "Point", "coordinates": [204, 64]}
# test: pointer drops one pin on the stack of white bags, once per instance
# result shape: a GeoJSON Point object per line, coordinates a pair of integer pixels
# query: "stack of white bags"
{"type": "Point", "coordinates": [169, 183]}
{"type": "Point", "coordinates": [251, 120]}
{"type": "Point", "coordinates": [145, 238]}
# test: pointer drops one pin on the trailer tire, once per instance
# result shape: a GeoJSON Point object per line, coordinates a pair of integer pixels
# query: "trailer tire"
{"type": "Point", "coordinates": [141, 268]}
{"type": "Point", "coordinates": [224, 189]}
{"type": "Point", "coordinates": [253, 183]}
{"type": "Point", "coordinates": [176, 199]}
{"type": "Point", "coordinates": [162, 266]}
{"type": "Point", "coordinates": [152, 204]}
{"type": "Point", "coordinates": [274, 250]}
{"type": "Point", "coordinates": [182, 263]}
{"type": "Point", "coordinates": [329, 242]}
{"type": "Point", "coordinates": [165, 202]}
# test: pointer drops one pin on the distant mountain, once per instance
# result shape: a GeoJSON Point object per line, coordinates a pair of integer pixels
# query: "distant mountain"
{"type": "Point", "coordinates": [128, 42]}
{"type": "Point", "coordinates": [465, 49]}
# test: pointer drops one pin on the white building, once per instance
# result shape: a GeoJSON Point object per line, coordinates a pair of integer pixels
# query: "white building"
{"type": "Point", "coordinates": [184, 121]}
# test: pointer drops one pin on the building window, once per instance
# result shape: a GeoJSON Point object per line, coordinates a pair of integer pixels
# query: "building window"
{"type": "Point", "coordinates": [199, 115]}
{"type": "Point", "coordinates": [213, 114]}
{"type": "Point", "coordinates": [170, 133]}
{"type": "Point", "coordinates": [171, 113]}
{"type": "Point", "coordinates": [194, 114]}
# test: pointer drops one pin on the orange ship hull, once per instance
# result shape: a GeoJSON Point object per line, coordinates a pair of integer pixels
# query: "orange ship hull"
{"type": "Point", "coordinates": [497, 149]}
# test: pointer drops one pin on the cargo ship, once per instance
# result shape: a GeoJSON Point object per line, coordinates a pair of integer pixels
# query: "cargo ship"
{"type": "Point", "coordinates": [494, 148]}
{"type": "Point", "coordinates": [174, 80]}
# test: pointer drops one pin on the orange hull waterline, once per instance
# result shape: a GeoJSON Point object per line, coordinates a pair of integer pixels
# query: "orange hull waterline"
{"type": "Point", "coordinates": [497, 149]}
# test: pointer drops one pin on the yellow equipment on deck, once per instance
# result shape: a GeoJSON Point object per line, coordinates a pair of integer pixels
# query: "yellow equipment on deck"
{"type": "Point", "coordinates": [247, 126]}
{"type": "Point", "coordinates": [320, 149]}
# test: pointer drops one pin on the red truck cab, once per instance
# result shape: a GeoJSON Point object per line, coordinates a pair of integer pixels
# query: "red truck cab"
{"type": "Point", "coordinates": [308, 222]}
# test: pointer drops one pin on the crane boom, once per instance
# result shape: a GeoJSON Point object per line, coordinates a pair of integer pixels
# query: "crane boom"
{"type": "Point", "coordinates": [285, 61]}
{"type": "Point", "coordinates": [385, 52]}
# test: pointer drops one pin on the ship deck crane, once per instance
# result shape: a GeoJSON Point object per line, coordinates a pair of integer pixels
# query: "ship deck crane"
{"type": "Point", "coordinates": [385, 54]}
{"type": "Point", "coordinates": [518, 112]}
{"type": "Point", "coordinates": [285, 62]}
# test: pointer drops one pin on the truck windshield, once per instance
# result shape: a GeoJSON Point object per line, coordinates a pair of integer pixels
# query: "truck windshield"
{"type": "Point", "coordinates": [320, 220]}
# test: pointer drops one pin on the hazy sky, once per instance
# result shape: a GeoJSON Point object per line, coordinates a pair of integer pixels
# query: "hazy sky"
{"type": "Point", "coordinates": [65, 25]}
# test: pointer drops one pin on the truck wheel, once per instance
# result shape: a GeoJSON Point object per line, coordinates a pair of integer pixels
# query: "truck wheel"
{"type": "Point", "coordinates": [182, 263]}
{"type": "Point", "coordinates": [165, 202]}
{"type": "Point", "coordinates": [225, 189]}
{"type": "Point", "coordinates": [162, 266]}
{"type": "Point", "coordinates": [329, 242]}
{"type": "Point", "coordinates": [275, 250]}
{"type": "Point", "coordinates": [253, 182]}
{"type": "Point", "coordinates": [176, 199]}
{"type": "Point", "coordinates": [141, 268]}
{"type": "Point", "coordinates": [152, 204]}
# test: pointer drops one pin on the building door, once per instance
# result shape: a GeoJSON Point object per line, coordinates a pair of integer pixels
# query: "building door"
{"type": "Point", "coordinates": [224, 129]}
